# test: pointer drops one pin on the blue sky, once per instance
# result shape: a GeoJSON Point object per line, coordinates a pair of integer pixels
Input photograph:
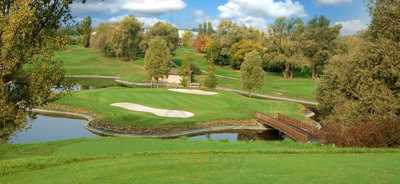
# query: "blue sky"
{"type": "Point", "coordinates": [352, 14]}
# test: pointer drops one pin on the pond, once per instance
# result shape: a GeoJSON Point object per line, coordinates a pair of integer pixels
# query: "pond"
{"type": "Point", "coordinates": [80, 84]}
{"type": "Point", "coordinates": [234, 136]}
{"type": "Point", "coordinates": [45, 128]}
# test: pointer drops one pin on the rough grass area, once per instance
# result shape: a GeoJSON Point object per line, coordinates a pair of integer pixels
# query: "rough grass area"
{"type": "Point", "coordinates": [125, 160]}
{"type": "Point", "coordinates": [82, 61]}
{"type": "Point", "coordinates": [223, 106]}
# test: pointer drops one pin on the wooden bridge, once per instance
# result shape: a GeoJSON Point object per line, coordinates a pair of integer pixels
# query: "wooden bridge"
{"type": "Point", "coordinates": [294, 129]}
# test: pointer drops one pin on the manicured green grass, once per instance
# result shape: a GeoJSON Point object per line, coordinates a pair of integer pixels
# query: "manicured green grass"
{"type": "Point", "coordinates": [274, 84]}
{"type": "Point", "coordinates": [223, 106]}
{"type": "Point", "coordinates": [127, 160]}
{"type": "Point", "coordinates": [81, 61]}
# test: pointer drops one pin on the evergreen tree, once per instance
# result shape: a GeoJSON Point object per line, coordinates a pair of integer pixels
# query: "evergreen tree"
{"type": "Point", "coordinates": [252, 74]}
{"type": "Point", "coordinates": [157, 59]}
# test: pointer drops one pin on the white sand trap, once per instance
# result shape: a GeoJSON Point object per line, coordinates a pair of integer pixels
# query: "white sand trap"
{"type": "Point", "coordinates": [194, 91]}
{"type": "Point", "coordinates": [155, 111]}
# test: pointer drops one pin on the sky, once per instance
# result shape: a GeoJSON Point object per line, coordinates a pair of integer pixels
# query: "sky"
{"type": "Point", "coordinates": [351, 14]}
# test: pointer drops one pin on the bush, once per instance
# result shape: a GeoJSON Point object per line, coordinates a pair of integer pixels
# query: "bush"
{"type": "Point", "coordinates": [363, 134]}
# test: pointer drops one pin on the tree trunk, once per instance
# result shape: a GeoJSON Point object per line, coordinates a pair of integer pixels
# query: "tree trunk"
{"type": "Point", "coordinates": [286, 73]}
{"type": "Point", "coordinates": [314, 71]}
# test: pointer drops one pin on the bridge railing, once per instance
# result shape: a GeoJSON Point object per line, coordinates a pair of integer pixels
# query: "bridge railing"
{"type": "Point", "coordinates": [312, 130]}
{"type": "Point", "coordinates": [292, 132]}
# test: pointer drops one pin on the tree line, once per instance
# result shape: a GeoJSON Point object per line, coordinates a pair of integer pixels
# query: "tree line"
{"type": "Point", "coordinates": [287, 45]}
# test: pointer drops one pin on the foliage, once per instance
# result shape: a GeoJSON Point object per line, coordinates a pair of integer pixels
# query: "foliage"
{"type": "Point", "coordinates": [125, 38]}
{"type": "Point", "coordinates": [385, 133]}
{"type": "Point", "coordinates": [28, 36]}
{"type": "Point", "coordinates": [252, 74]}
{"type": "Point", "coordinates": [240, 49]}
{"type": "Point", "coordinates": [187, 38]}
{"type": "Point", "coordinates": [200, 43]}
{"type": "Point", "coordinates": [363, 85]}
{"type": "Point", "coordinates": [186, 71]}
{"type": "Point", "coordinates": [210, 81]}
{"type": "Point", "coordinates": [320, 43]}
{"type": "Point", "coordinates": [164, 30]}
{"type": "Point", "coordinates": [285, 45]}
{"type": "Point", "coordinates": [157, 59]}
{"type": "Point", "coordinates": [101, 40]}
{"type": "Point", "coordinates": [85, 31]}
{"type": "Point", "coordinates": [206, 28]}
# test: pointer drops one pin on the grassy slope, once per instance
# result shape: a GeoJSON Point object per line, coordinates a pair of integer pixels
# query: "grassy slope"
{"type": "Point", "coordinates": [123, 160]}
{"type": "Point", "coordinates": [274, 84]}
{"type": "Point", "coordinates": [81, 61]}
{"type": "Point", "coordinates": [224, 106]}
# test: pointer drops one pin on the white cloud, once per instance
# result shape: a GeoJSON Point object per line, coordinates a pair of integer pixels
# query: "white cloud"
{"type": "Point", "coordinates": [262, 8]}
{"type": "Point", "coordinates": [351, 26]}
{"type": "Point", "coordinates": [139, 7]}
{"type": "Point", "coordinates": [333, 2]}
{"type": "Point", "coordinates": [255, 13]}
{"type": "Point", "coordinates": [147, 21]}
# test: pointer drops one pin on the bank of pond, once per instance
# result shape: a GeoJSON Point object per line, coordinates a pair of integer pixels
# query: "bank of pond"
{"type": "Point", "coordinates": [42, 128]}
{"type": "Point", "coordinates": [96, 95]}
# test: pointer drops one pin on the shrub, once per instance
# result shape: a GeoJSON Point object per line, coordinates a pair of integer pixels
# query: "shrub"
{"type": "Point", "coordinates": [363, 134]}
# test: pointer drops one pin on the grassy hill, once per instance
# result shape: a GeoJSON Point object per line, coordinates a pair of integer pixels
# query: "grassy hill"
{"type": "Point", "coordinates": [127, 160]}
{"type": "Point", "coordinates": [82, 61]}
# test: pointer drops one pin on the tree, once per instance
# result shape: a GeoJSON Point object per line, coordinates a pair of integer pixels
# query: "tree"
{"type": "Point", "coordinates": [210, 29]}
{"type": "Point", "coordinates": [285, 45]}
{"type": "Point", "coordinates": [252, 74]}
{"type": "Point", "coordinates": [125, 38]}
{"type": "Point", "coordinates": [240, 49]}
{"type": "Point", "coordinates": [186, 70]}
{"type": "Point", "coordinates": [102, 38]}
{"type": "Point", "coordinates": [321, 42]}
{"type": "Point", "coordinates": [200, 43]}
{"type": "Point", "coordinates": [210, 81]}
{"type": "Point", "coordinates": [28, 38]}
{"type": "Point", "coordinates": [164, 30]}
{"type": "Point", "coordinates": [187, 38]}
{"type": "Point", "coordinates": [157, 59]}
{"type": "Point", "coordinates": [362, 87]}
{"type": "Point", "coordinates": [85, 31]}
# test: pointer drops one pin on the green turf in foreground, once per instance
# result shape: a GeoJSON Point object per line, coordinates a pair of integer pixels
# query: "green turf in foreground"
{"type": "Point", "coordinates": [223, 106]}
{"type": "Point", "coordinates": [125, 160]}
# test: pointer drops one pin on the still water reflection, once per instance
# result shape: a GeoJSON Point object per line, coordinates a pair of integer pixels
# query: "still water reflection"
{"type": "Point", "coordinates": [45, 128]}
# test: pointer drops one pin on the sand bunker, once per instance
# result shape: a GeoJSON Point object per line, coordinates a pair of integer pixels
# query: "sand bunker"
{"type": "Point", "coordinates": [155, 111]}
{"type": "Point", "coordinates": [193, 91]}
